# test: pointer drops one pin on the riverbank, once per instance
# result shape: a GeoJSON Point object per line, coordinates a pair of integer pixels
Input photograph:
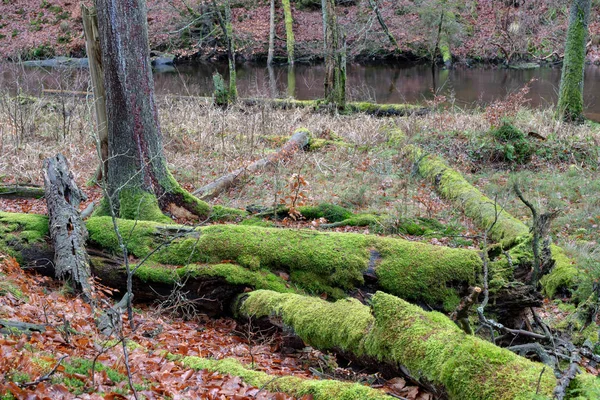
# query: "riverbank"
{"type": "Point", "coordinates": [476, 31]}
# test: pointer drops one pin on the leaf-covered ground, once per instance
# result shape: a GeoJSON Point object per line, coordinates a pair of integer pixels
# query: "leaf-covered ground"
{"type": "Point", "coordinates": [30, 368]}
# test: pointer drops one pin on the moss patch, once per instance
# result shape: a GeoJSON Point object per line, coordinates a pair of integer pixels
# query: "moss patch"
{"type": "Point", "coordinates": [298, 387]}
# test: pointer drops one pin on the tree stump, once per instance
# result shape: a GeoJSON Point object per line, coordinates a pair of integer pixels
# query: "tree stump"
{"type": "Point", "coordinates": [67, 231]}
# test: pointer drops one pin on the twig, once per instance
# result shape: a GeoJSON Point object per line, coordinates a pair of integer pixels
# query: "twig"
{"type": "Point", "coordinates": [45, 377]}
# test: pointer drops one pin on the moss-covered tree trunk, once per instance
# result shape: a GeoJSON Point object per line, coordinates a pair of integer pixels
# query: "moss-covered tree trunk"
{"type": "Point", "coordinates": [289, 30]}
{"type": "Point", "coordinates": [570, 96]}
{"type": "Point", "coordinates": [335, 58]}
{"type": "Point", "coordinates": [139, 185]}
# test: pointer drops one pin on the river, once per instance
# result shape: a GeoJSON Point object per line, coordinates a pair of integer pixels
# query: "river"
{"type": "Point", "coordinates": [383, 83]}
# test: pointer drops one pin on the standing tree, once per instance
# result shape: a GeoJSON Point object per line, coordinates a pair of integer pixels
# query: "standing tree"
{"type": "Point", "coordinates": [289, 30]}
{"type": "Point", "coordinates": [271, 53]}
{"type": "Point", "coordinates": [570, 96]}
{"type": "Point", "coordinates": [139, 184]}
{"type": "Point", "coordinates": [335, 58]}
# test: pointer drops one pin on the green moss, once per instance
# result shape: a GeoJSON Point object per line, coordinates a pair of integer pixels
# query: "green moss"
{"type": "Point", "coordinates": [428, 344]}
{"type": "Point", "coordinates": [19, 230]}
{"type": "Point", "coordinates": [140, 205]}
{"type": "Point", "coordinates": [382, 109]}
{"type": "Point", "coordinates": [255, 221]}
{"type": "Point", "coordinates": [570, 96]}
{"type": "Point", "coordinates": [563, 276]}
{"type": "Point", "coordinates": [584, 387]}
{"type": "Point", "coordinates": [188, 201]}
{"type": "Point", "coordinates": [453, 186]}
{"type": "Point", "coordinates": [415, 271]}
{"type": "Point", "coordinates": [331, 212]}
{"type": "Point", "coordinates": [220, 213]}
{"type": "Point", "coordinates": [315, 284]}
{"type": "Point", "coordinates": [289, 29]}
{"type": "Point", "coordinates": [233, 274]}
{"type": "Point", "coordinates": [298, 387]}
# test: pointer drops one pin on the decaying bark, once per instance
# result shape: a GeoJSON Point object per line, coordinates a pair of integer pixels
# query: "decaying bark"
{"type": "Point", "coordinates": [298, 141]}
{"type": "Point", "coordinates": [8, 327]}
{"type": "Point", "coordinates": [67, 230]}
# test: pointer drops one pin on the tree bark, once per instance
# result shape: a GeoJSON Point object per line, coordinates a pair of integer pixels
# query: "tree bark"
{"type": "Point", "coordinates": [289, 30]}
{"type": "Point", "coordinates": [139, 184]}
{"type": "Point", "coordinates": [335, 65]}
{"type": "Point", "coordinates": [67, 230]}
{"type": "Point", "coordinates": [271, 52]}
{"type": "Point", "coordinates": [392, 39]}
{"type": "Point", "coordinates": [570, 95]}
{"type": "Point", "coordinates": [92, 46]}
{"type": "Point", "coordinates": [298, 141]}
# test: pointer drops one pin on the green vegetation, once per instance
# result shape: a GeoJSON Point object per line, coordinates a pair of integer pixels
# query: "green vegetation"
{"type": "Point", "coordinates": [428, 344]}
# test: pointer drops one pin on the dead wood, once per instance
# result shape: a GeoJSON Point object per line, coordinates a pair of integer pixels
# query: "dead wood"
{"type": "Point", "coordinates": [67, 230]}
{"type": "Point", "coordinates": [18, 191]}
{"type": "Point", "coordinates": [298, 140]}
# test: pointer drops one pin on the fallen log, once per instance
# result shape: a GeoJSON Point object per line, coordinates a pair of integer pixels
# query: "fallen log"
{"type": "Point", "coordinates": [67, 230]}
{"type": "Point", "coordinates": [328, 263]}
{"type": "Point", "coordinates": [19, 191]}
{"type": "Point", "coordinates": [10, 327]}
{"type": "Point", "coordinates": [428, 345]}
{"type": "Point", "coordinates": [298, 141]}
{"type": "Point", "coordinates": [511, 233]}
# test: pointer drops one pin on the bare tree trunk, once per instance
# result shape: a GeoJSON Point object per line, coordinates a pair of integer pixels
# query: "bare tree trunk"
{"type": "Point", "coordinates": [227, 28]}
{"type": "Point", "coordinates": [570, 97]}
{"type": "Point", "coordinates": [271, 34]}
{"type": "Point", "coordinates": [335, 59]}
{"type": "Point", "coordinates": [139, 184]}
{"type": "Point", "coordinates": [92, 46]}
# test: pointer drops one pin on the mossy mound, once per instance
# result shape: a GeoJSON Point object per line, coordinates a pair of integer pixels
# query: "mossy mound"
{"type": "Point", "coordinates": [21, 230]}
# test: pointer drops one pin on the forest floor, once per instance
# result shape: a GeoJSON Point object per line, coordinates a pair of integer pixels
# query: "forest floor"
{"type": "Point", "coordinates": [482, 30]}
{"type": "Point", "coordinates": [361, 167]}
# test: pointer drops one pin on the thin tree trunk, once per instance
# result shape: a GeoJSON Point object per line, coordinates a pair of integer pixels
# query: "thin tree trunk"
{"type": "Point", "coordinates": [92, 46]}
{"type": "Point", "coordinates": [271, 34]}
{"type": "Point", "coordinates": [335, 68]}
{"type": "Point", "coordinates": [289, 30]}
{"type": "Point", "coordinates": [392, 39]}
{"type": "Point", "coordinates": [570, 97]}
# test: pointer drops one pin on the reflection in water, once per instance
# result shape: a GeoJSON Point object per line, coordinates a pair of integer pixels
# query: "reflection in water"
{"type": "Point", "coordinates": [379, 83]}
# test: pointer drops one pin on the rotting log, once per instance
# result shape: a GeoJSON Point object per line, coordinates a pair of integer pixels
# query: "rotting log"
{"type": "Point", "coordinates": [9, 327]}
{"type": "Point", "coordinates": [428, 345]}
{"type": "Point", "coordinates": [67, 230]}
{"type": "Point", "coordinates": [299, 140]}
{"type": "Point", "coordinates": [19, 191]}
{"type": "Point", "coordinates": [511, 233]}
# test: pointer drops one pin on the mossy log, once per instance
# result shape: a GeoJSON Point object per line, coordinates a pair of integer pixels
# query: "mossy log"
{"type": "Point", "coordinates": [428, 345]}
{"type": "Point", "coordinates": [510, 232]}
{"type": "Point", "coordinates": [378, 110]}
{"type": "Point", "coordinates": [318, 262]}
{"type": "Point", "coordinates": [18, 191]}
{"type": "Point", "coordinates": [299, 140]}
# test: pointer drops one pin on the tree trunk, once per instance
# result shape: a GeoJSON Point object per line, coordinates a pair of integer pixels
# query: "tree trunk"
{"type": "Point", "coordinates": [139, 184]}
{"type": "Point", "coordinates": [570, 96]}
{"type": "Point", "coordinates": [18, 191]}
{"type": "Point", "coordinates": [92, 46]}
{"type": "Point", "coordinates": [335, 65]}
{"type": "Point", "coordinates": [289, 30]}
{"type": "Point", "coordinates": [392, 39]}
{"type": "Point", "coordinates": [271, 33]}
{"type": "Point", "coordinates": [66, 227]}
